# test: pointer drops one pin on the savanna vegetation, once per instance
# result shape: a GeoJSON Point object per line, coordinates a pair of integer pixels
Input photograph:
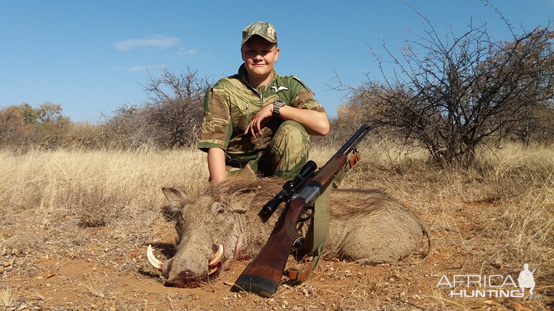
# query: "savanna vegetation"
{"type": "Point", "coordinates": [463, 137]}
{"type": "Point", "coordinates": [75, 226]}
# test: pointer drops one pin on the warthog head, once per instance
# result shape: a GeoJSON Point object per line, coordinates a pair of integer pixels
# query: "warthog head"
{"type": "Point", "coordinates": [210, 229]}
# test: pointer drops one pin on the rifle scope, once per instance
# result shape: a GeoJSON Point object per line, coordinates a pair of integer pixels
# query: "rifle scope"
{"type": "Point", "coordinates": [290, 187]}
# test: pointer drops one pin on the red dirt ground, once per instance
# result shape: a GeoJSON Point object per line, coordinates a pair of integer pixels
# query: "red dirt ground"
{"type": "Point", "coordinates": [49, 262]}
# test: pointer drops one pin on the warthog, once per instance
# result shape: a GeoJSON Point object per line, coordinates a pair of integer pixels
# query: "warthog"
{"type": "Point", "coordinates": [222, 224]}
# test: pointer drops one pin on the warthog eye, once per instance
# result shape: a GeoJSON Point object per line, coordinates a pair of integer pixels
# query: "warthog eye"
{"type": "Point", "coordinates": [218, 208]}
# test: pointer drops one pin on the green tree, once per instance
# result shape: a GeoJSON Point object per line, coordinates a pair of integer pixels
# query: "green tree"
{"type": "Point", "coordinates": [51, 126]}
{"type": "Point", "coordinates": [14, 126]}
{"type": "Point", "coordinates": [24, 126]}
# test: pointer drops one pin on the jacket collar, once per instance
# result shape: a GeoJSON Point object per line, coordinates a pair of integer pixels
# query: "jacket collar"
{"type": "Point", "coordinates": [243, 75]}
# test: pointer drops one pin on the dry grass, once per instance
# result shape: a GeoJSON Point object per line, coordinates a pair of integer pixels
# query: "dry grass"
{"type": "Point", "coordinates": [97, 185]}
{"type": "Point", "coordinates": [490, 218]}
{"type": "Point", "coordinates": [7, 297]}
{"type": "Point", "coordinates": [509, 191]}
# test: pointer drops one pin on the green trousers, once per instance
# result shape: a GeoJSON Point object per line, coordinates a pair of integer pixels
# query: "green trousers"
{"type": "Point", "coordinates": [285, 155]}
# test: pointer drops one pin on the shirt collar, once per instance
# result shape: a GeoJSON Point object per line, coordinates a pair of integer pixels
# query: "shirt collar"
{"type": "Point", "coordinates": [243, 75]}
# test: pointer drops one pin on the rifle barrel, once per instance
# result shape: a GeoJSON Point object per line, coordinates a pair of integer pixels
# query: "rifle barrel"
{"type": "Point", "coordinates": [353, 141]}
{"type": "Point", "coordinates": [536, 268]}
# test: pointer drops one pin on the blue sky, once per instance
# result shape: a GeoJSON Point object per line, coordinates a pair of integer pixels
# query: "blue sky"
{"type": "Point", "coordinates": [94, 56]}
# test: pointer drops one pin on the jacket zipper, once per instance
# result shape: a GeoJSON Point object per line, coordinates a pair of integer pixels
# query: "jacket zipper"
{"type": "Point", "coordinates": [247, 113]}
{"type": "Point", "coordinates": [248, 107]}
{"type": "Point", "coordinates": [262, 104]}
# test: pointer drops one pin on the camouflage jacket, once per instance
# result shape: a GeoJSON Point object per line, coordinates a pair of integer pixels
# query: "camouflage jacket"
{"type": "Point", "coordinates": [232, 102]}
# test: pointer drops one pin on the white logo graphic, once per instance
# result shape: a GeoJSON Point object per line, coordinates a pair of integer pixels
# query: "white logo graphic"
{"type": "Point", "coordinates": [526, 279]}
{"type": "Point", "coordinates": [280, 88]}
{"type": "Point", "coordinates": [493, 286]}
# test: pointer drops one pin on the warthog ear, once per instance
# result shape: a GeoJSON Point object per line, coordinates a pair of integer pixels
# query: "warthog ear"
{"type": "Point", "coordinates": [175, 207]}
{"type": "Point", "coordinates": [173, 194]}
{"type": "Point", "coordinates": [240, 201]}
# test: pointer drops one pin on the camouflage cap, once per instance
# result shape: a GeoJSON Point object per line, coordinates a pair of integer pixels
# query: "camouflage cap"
{"type": "Point", "coordinates": [262, 29]}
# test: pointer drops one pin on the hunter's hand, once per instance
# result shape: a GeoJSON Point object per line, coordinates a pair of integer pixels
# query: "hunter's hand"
{"type": "Point", "coordinates": [260, 119]}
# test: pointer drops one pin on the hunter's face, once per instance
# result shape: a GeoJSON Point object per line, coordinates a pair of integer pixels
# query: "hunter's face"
{"type": "Point", "coordinates": [259, 56]}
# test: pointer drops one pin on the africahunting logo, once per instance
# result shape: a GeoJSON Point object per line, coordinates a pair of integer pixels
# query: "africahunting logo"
{"type": "Point", "coordinates": [492, 286]}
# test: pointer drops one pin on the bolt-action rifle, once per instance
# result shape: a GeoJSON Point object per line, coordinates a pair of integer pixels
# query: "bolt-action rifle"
{"type": "Point", "coordinates": [263, 275]}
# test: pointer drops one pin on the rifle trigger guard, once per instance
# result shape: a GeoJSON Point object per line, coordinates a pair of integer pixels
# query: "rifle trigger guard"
{"type": "Point", "coordinates": [307, 214]}
{"type": "Point", "coordinates": [299, 242]}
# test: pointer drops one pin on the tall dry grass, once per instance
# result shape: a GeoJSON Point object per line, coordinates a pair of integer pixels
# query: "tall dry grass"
{"type": "Point", "coordinates": [497, 213]}
{"type": "Point", "coordinates": [99, 186]}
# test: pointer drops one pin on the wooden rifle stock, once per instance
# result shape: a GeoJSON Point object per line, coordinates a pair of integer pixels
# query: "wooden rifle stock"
{"type": "Point", "coordinates": [263, 275]}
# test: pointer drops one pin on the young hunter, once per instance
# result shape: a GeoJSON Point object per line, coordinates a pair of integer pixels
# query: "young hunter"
{"type": "Point", "coordinates": [257, 120]}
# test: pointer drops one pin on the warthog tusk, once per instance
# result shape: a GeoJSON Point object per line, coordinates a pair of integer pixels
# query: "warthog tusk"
{"type": "Point", "coordinates": [215, 259]}
{"type": "Point", "coordinates": [212, 270]}
{"type": "Point", "coordinates": [152, 259]}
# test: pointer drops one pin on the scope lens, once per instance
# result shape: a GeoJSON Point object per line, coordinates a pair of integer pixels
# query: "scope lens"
{"type": "Point", "coordinates": [272, 205]}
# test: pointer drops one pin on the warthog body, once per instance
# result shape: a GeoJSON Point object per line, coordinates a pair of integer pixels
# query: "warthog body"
{"type": "Point", "coordinates": [365, 226]}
